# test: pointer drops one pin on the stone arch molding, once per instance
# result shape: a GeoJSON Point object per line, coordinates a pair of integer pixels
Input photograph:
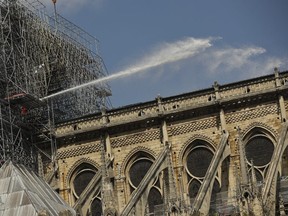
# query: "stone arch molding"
{"type": "Point", "coordinates": [192, 139]}
{"type": "Point", "coordinates": [134, 151]}
{"type": "Point", "coordinates": [259, 128]}
{"type": "Point", "coordinates": [266, 129]}
{"type": "Point", "coordinates": [77, 164]}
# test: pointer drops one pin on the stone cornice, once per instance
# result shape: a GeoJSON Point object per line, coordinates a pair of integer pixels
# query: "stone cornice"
{"type": "Point", "coordinates": [232, 96]}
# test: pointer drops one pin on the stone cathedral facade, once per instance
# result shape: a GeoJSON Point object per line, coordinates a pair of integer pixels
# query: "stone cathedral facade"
{"type": "Point", "coordinates": [218, 151]}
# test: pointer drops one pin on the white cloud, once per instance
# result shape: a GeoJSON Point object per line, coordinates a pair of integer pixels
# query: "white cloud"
{"type": "Point", "coordinates": [245, 62]}
{"type": "Point", "coordinates": [228, 59]}
{"type": "Point", "coordinates": [266, 66]}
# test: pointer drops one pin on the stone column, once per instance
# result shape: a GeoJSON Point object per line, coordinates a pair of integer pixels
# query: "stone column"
{"type": "Point", "coordinates": [108, 200]}
{"type": "Point", "coordinates": [280, 97]}
{"type": "Point", "coordinates": [282, 108]}
{"type": "Point", "coordinates": [243, 165]}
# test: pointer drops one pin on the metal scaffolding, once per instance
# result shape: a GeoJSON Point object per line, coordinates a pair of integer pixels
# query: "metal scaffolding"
{"type": "Point", "coordinates": [42, 55]}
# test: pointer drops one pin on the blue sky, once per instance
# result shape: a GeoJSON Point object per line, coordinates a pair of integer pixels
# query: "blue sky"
{"type": "Point", "coordinates": [246, 39]}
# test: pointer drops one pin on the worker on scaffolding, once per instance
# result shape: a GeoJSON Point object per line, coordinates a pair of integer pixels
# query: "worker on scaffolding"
{"type": "Point", "coordinates": [24, 112]}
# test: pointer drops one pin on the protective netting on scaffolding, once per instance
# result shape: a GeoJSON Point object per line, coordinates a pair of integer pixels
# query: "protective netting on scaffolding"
{"type": "Point", "coordinates": [44, 54]}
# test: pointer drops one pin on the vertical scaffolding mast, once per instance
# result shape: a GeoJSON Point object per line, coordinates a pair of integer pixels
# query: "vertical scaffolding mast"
{"type": "Point", "coordinates": [14, 139]}
{"type": "Point", "coordinates": [36, 61]}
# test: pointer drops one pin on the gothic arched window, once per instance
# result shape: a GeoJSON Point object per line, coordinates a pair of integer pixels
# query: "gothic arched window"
{"type": "Point", "coordinates": [259, 149]}
{"type": "Point", "coordinates": [136, 170]}
{"type": "Point", "coordinates": [80, 179]}
{"type": "Point", "coordinates": [196, 161]}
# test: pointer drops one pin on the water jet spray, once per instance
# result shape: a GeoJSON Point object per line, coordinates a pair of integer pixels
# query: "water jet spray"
{"type": "Point", "coordinates": [167, 53]}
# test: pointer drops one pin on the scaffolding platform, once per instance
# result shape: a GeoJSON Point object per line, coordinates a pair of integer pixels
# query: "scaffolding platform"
{"type": "Point", "coordinates": [25, 100]}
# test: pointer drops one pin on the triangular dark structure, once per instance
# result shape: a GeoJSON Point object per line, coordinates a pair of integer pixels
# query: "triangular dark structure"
{"type": "Point", "coordinates": [22, 192]}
